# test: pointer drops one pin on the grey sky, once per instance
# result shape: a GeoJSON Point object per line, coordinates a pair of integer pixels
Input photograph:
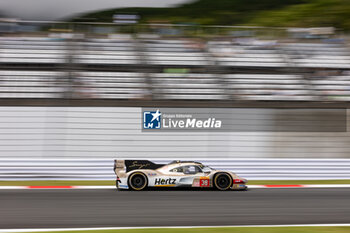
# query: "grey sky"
{"type": "Point", "coordinates": [55, 9]}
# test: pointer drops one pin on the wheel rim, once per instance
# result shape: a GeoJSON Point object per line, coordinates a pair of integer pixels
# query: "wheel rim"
{"type": "Point", "coordinates": [223, 182]}
{"type": "Point", "coordinates": [138, 182]}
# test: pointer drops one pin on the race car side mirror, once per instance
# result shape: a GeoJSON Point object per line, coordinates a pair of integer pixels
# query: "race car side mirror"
{"type": "Point", "coordinates": [206, 170]}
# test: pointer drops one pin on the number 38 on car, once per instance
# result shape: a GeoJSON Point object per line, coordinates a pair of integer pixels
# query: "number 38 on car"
{"type": "Point", "coordinates": [140, 174]}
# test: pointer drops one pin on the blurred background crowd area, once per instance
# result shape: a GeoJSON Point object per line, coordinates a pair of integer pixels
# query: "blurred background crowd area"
{"type": "Point", "coordinates": [160, 61]}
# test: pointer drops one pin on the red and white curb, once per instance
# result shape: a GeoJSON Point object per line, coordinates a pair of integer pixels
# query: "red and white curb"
{"type": "Point", "coordinates": [60, 187]}
{"type": "Point", "coordinates": [113, 187]}
{"type": "Point", "coordinates": [169, 227]}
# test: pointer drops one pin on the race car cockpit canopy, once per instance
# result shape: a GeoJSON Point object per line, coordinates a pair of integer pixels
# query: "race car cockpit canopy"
{"type": "Point", "coordinates": [179, 161]}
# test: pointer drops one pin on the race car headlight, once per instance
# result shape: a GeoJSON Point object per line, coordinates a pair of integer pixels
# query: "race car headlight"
{"type": "Point", "coordinates": [238, 181]}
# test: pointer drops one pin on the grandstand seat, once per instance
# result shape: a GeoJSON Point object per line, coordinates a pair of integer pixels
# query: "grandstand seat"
{"type": "Point", "coordinates": [39, 50]}
{"type": "Point", "coordinates": [317, 55]}
{"type": "Point", "coordinates": [335, 88]}
{"type": "Point", "coordinates": [268, 87]}
{"type": "Point", "coordinates": [187, 86]}
{"type": "Point", "coordinates": [173, 52]}
{"type": "Point", "coordinates": [31, 84]}
{"type": "Point", "coordinates": [114, 85]}
{"type": "Point", "coordinates": [107, 51]}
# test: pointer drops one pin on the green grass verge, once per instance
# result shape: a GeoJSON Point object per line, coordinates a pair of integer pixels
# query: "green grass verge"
{"type": "Point", "coordinates": [109, 182]}
{"type": "Point", "coordinates": [228, 230]}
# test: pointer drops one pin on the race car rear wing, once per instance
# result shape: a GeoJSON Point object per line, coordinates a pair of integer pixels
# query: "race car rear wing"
{"type": "Point", "coordinates": [130, 165]}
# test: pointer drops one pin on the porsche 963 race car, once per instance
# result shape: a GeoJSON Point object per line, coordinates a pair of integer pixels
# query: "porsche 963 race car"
{"type": "Point", "coordinates": [140, 174]}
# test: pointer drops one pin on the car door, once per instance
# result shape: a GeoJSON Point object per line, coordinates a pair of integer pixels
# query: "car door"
{"type": "Point", "coordinates": [189, 173]}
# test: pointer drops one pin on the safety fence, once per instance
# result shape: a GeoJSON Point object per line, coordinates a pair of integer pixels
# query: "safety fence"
{"type": "Point", "coordinates": [102, 169]}
{"type": "Point", "coordinates": [106, 85]}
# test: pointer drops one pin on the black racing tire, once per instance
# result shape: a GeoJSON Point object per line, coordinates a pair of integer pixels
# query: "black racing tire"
{"type": "Point", "coordinates": [137, 181]}
{"type": "Point", "coordinates": [222, 181]}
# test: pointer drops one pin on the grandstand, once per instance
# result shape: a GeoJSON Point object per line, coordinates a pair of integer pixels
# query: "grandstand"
{"type": "Point", "coordinates": [228, 70]}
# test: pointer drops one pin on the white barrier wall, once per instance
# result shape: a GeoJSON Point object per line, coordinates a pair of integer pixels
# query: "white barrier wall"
{"type": "Point", "coordinates": [106, 132]}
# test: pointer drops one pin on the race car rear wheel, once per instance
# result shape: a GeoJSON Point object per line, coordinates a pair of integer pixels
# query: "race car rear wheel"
{"type": "Point", "coordinates": [222, 181]}
{"type": "Point", "coordinates": [137, 181]}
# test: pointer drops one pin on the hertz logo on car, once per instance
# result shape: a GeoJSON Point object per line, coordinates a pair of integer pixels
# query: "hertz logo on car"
{"type": "Point", "coordinates": [168, 181]}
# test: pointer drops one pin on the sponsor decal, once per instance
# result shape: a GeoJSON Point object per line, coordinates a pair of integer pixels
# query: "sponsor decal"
{"type": "Point", "coordinates": [152, 174]}
{"type": "Point", "coordinates": [195, 183]}
{"type": "Point", "coordinates": [139, 165]}
{"type": "Point", "coordinates": [161, 181]}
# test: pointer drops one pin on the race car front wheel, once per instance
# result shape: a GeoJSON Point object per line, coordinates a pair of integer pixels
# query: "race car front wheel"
{"type": "Point", "coordinates": [137, 181]}
{"type": "Point", "coordinates": [223, 181]}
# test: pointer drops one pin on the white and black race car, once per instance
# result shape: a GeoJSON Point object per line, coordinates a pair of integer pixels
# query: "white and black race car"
{"type": "Point", "coordinates": [140, 174]}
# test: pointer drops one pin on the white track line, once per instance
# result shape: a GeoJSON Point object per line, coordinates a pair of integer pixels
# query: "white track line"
{"type": "Point", "coordinates": [170, 227]}
{"type": "Point", "coordinates": [13, 187]}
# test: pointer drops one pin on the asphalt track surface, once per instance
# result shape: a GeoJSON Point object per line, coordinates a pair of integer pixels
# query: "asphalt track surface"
{"type": "Point", "coordinates": [110, 208]}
